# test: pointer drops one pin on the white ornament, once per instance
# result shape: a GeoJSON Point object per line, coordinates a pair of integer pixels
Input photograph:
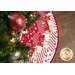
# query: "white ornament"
{"type": "Point", "coordinates": [15, 55]}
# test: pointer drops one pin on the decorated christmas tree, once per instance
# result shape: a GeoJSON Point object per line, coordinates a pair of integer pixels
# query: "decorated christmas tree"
{"type": "Point", "coordinates": [12, 23]}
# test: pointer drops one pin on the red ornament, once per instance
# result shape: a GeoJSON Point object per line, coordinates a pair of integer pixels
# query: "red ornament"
{"type": "Point", "coordinates": [16, 22]}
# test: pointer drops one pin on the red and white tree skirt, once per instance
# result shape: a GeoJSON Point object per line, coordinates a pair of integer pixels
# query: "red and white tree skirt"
{"type": "Point", "coordinates": [43, 38]}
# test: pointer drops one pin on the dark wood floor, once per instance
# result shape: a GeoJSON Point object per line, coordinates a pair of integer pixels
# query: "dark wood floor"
{"type": "Point", "coordinates": [66, 24]}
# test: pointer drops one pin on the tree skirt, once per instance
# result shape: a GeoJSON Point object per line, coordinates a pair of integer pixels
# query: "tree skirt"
{"type": "Point", "coordinates": [43, 38]}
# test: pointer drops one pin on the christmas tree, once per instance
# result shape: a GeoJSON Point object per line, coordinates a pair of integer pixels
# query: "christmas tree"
{"type": "Point", "coordinates": [11, 25]}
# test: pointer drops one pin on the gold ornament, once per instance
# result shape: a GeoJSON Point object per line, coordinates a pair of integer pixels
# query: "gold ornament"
{"type": "Point", "coordinates": [31, 15]}
{"type": "Point", "coordinates": [13, 33]}
{"type": "Point", "coordinates": [26, 19]}
{"type": "Point", "coordinates": [13, 40]}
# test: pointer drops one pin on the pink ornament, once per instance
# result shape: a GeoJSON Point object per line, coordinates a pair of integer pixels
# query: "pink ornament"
{"type": "Point", "coordinates": [16, 22]}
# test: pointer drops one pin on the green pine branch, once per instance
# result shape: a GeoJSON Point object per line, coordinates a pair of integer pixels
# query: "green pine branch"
{"type": "Point", "coordinates": [6, 48]}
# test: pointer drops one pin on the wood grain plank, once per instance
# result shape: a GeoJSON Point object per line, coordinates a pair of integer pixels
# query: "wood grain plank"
{"type": "Point", "coordinates": [66, 24]}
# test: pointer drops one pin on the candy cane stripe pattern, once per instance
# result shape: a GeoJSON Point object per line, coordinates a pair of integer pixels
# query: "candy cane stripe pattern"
{"type": "Point", "coordinates": [43, 37]}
